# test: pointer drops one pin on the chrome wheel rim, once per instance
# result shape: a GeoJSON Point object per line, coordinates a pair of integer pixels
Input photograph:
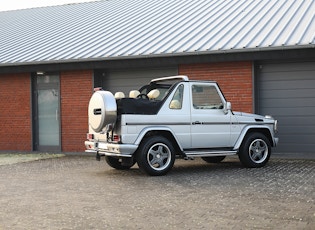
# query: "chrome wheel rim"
{"type": "Point", "coordinates": [159, 156]}
{"type": "Point", "coordinates": [258, 151]}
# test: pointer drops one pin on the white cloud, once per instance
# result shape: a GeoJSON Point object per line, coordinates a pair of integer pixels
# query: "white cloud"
{"type": "Point", "coordinates": [6, 5]}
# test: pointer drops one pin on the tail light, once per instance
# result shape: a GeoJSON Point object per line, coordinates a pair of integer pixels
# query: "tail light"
{"type": "Point", "coordinates": [116, 138]}
{"type": "Point", "coordinates": [89, 136]}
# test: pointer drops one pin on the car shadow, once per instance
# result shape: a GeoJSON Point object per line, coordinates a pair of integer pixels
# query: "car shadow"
{"type": "Point", "coordinates": [183, 167]}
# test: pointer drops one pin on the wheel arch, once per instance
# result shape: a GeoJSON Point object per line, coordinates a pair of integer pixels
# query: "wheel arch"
{"type": "Point", "coordinates": [160, 131]}
{"type": "Point", "coordinates": [264, 130]}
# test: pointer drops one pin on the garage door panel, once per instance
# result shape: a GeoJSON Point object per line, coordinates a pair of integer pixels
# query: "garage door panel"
{"type": "Point", "coordinates": [297, 120]}
{"type": "Point", "coordinates": [295, 148]}
{"type": "Point", "coordinates": [286, 67]}
{"type": "Point", "coordinates": [289, 75]}
{"type": "Point", "coordinates": [288, 112]}
{"type": "Point", "coordinates": [289, 84]}
{"type": "Point", "coordinates": [288, 102]}
{"type": "Point", "coordinates": [299, 130]}
{"type": "Point", "coordinates": [287, 92]}
{"type": "Point", "coordinates": [306, 138]}
{"type": "Point", "coordinates": [125, 80]}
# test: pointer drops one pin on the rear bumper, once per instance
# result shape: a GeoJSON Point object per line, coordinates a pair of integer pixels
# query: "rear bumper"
{"type": "Point", "coordinates": [110, 149]}
{"type": "Point", "coordinates": [275, 141]}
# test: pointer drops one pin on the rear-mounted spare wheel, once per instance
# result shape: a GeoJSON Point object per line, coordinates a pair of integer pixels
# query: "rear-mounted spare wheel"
{"type": "Point", "coordinates": [102, 110]}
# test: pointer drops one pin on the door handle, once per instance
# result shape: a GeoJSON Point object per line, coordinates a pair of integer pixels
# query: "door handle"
{"type": "Point", "coordinates": [197, 123]}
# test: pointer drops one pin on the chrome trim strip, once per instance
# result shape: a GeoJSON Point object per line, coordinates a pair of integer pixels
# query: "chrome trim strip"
{"type": "Point", "coordinates": [108, 153]}
{"type": "Point", "coordinates": [90, 151]}
{"type": "Point", "coordinates": [215, 123]}
{"type": "Point", "coordinates": [114, 154]}
{"type": "Point", "coordinates": [254, 122]}
{"type": "Point", "coordinates": [159, 123]}
{"type": "Point", "coordinates": [199, 123]}
{"type": "Point", "coordinates": [210, 153]}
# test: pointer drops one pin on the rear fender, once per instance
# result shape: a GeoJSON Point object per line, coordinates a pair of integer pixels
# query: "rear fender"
{"type": "Point", "coordinates": [256, 128]}
{"type": "Point", "coordinates": [158, 129]}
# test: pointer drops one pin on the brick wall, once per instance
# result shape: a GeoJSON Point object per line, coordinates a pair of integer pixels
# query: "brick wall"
{"type": "Point", "coordinates": [15, 114]}
{"type": "Point", "coordinates": [234, 78]}
{"type": "Point", "coordinates": [76, 89]}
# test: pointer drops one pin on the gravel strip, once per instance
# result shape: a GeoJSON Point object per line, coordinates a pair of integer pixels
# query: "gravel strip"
{"type": "Point", "coordinates": [14, 158]}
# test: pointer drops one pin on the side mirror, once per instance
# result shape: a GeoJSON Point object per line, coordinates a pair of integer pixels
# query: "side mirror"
{"type": "Point", "coordinates": [227, 107]}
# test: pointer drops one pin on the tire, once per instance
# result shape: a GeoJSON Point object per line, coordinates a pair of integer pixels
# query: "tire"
{"type": "Point", "coordinates": [118, 163]}
{"type": "Point", "coordinates": [102, 110]}
{"type": "Point", "coordinates": [255, 150]}
{"type": "Point", "coordinates": [216, 159]}
{"type": "Point", "coordinates": [155, 156]}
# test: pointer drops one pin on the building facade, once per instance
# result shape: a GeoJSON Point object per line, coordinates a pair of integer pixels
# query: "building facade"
{"type": "Point", "coordinates": [262, 67]}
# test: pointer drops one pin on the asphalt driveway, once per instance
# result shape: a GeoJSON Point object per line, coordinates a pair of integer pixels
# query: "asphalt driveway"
{"type": "Point", "coordinates": [77, 192]}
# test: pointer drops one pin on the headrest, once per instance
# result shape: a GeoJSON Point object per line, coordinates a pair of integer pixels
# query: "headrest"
{"type": "Point", "coordinates": [153, 94]}
{"type": "Point", "coordinates": [175, 104]}
{"type": "Point", "coordinates": [119, 95]}
{"type": "Point", "coordinates": [134, 93]}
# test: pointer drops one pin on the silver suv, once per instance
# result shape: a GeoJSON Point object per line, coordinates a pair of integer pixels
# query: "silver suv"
{"type": "Point", "coordinates": [174, 117]}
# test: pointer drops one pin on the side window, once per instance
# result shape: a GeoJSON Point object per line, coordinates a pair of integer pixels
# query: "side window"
{"type": "Point", "coordinates": [206, 97]}
{"type": "Point", "coordinates": [177, 100]}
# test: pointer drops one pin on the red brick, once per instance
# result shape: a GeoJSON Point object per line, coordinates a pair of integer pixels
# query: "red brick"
{"type": "Point", "coordinates": [76, 89]}
{"type": "Point", "coordinates": [234, 78]}
{"type": "Point", "coordinates": [15, 116]}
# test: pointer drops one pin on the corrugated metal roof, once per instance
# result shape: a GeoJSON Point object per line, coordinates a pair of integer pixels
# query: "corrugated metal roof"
{"type": "Point", "coordinates": [112, 29]}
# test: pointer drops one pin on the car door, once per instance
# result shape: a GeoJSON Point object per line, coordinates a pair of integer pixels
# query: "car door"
{"type": "Point", "coordinates": [210, 124]}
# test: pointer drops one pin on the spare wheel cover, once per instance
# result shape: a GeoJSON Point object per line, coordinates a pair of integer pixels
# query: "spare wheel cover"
{"type": "Point", "coordinates": [102, 110]}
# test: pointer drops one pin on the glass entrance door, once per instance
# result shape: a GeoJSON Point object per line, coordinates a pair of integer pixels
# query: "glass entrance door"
{"type": "Point", "coordinates": [47, 114]}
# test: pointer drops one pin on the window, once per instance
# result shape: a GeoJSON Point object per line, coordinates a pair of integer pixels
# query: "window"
{"type": "Point", "coordinates": [206, 97]}
{"type": "Point", "coordinates": [177, 100]}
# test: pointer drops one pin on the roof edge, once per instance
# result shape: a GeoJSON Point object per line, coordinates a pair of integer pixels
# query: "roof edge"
{"type": "Point", "coordinates": [163, 55]}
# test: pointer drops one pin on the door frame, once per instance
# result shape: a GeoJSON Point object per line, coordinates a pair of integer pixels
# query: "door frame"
{"type": "Point", "coordinates": [209, 126]}
{"type": "Point", "coordinates": [35, 125]}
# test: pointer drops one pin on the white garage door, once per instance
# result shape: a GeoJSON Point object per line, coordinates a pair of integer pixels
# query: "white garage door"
{"type": "Point", "coordinates": [287, 91]}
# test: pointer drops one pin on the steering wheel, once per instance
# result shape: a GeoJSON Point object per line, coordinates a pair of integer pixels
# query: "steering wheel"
{"type": "Point", "coordinates": [143, 95]}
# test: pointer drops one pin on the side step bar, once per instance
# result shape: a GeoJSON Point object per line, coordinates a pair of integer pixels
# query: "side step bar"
{"type": "Point", "coordinates": [209, 153]}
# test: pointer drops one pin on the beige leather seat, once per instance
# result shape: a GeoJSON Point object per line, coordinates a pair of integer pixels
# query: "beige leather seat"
{"type": "Point", "coordinates": [119, 95]}
{"type": "Point", "coordinates": [134, 93]}
{"type": "Point", "coordinates": [153, 94]}
{"type": "Point", "coordinates": [175, 104]}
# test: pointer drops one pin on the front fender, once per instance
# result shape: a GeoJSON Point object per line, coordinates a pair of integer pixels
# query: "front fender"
{"type": "Point", "coordinates": [156, 129]}
{"type": "Point", "coordinates": [257, 128]}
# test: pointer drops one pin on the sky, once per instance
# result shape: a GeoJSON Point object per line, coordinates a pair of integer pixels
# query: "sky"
{"type": "Point", "coordinates": [6, 5]}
